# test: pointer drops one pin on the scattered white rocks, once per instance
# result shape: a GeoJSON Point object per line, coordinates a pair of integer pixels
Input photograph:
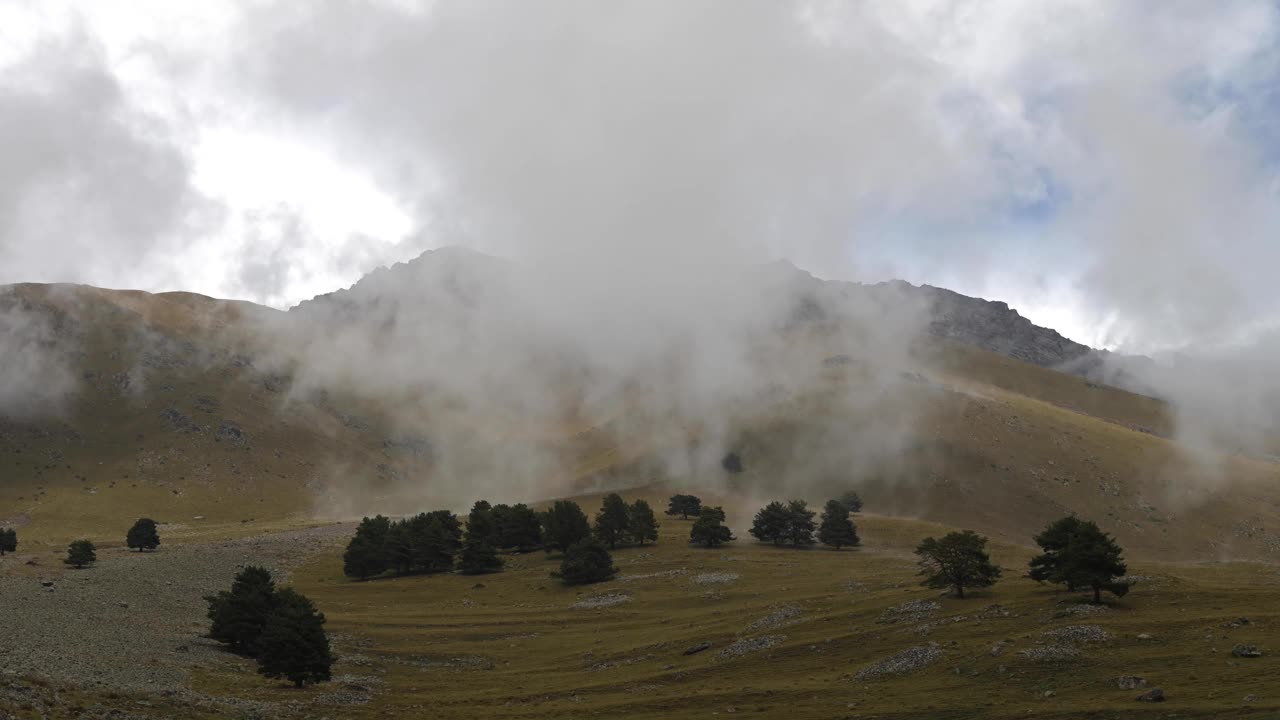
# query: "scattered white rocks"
{"type": "Point", "coordinates": [913, 611]}
{"type": "Point", "coordinates": [715, 578]}
{"type": "Point", "coordinates": [649, 576]}
{"type": "Point", "coordinates": [1079, 633]}
{"type": "Point", "coordinates": [1083, 610]}
{"type": "Point", "coordinates": [903, 662]}
{"type": "Point", "coordinates": [1130, 682]}
{"type": "Point", "coordinates": [746, 646]}
{"type": "Point", "coordinates": [601, 601]}
{"type": "Point", "coordinates": [1050, 653]}
{"type": "Point", "coordinates": [782, 615]}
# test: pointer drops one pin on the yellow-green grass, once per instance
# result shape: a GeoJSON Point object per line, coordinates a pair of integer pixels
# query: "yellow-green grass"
{"type": "Point", "coordinates": [510, 645]}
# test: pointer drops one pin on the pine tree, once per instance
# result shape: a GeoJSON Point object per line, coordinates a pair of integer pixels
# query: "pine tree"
{"type": "Point", "coordinates": [613, 522]}
{"type": "Point", "coordinates": [586, 561]}
{"type": "Point", "coordinates": [1078, 553]}
{"type": "Point", "coordinates": [800, 525]}
{"type": "Point", "coordinates": [434, 545]}
{"type": "Point", "coordinates": [239, 616]}
{"type": "Point", "coordinates": [518, 527]}
{"type": "Point", "coordinates": [480, 523]}
{"type": "Point", "coordinates": [837, 529]}
{"type": "Point", "coordinates": [81, 553]}
{"type": "Point", "coordinates": [294, 645]}
{"type": "Point", "coordinates": [852, 501]}
{"type": "Point", "coordinates": [684, 506]}
{"type": "Point", "coordinates": [771, 523]}
{"type": "Point", "coordinates": [365, 556]}
{"type": "Point", "coordinates": [478, 556]}
{"type": "Point", "coordinates": [450, 529]}
{"type": "Point", "coordinates": [1046, 567]}
{"type": "Point", "coordinates": [397, 549]}
{"type": "Point", "coordinates": [958, 561]}
{"type": "Point", "coordinates": [564, 524]}
{"type": "Point", "coordinates": [8, 541]}
{"type": "Point", "coordinates": [708, 529]}
{"type": "Point", "coordinates": [143, 535]}
{"type": "Point", "coordinates": [644, 526]}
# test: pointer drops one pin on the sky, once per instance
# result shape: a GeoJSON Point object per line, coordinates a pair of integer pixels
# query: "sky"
{"type": "Point", "coordinates": [1107, 168]}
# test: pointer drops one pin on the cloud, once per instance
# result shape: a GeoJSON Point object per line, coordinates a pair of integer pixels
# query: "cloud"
{"type": "Point", "coordinates": [91, 189]}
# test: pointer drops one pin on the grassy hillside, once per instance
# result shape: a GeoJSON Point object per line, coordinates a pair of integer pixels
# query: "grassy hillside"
{"type": "Point", "coordinates": [519, 645]}
{"type": "Point", "coordinates": [181, 407]}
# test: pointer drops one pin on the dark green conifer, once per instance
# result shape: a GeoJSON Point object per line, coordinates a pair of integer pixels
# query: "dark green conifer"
{"type": "Point", "coordinates": [294, 645]}
{"type": "Point", "coordinates": [143, 535]}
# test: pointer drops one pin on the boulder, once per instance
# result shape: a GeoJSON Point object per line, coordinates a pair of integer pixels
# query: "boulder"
{"type": "Point", "coordinates": [693, 650]}
{"type": "Point", "coordinates": [1153, 695]}
{"type": "Point", "coordinates": [1246, 651]}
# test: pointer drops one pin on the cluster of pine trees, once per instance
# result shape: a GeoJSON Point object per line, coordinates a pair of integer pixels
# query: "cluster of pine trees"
{"type": "Point", "coordinates": [793, 523]}
{"type": "Point", "coordinates": [1076, 553]}
{"type": "Point", "coordinates": [439, 542]}
{"type": "Point", "coordinates": [281, 628]}
{"type": "Point", "coordinates": [424, 543]}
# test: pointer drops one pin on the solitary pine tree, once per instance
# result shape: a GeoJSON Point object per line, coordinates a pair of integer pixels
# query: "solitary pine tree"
{"type": "Point", "coordinates": [294, 645]}
{"type": "Point", "coordinates": [613, 522]}
{"type": "Point", "coordinates": [1078, 553]}
{"type": "Point", "coordinates": [770, 523]}
{"type": "Point", "coordinates": [958, 561]}
{"type": "Point", "coordinates": [586, 561]}
{"type": "Point", "coordinates": [684, 506]}
{"type": "Point", "coordinates": [644, 526]}
{"type": "Point", "coordinates": [564, 524]}
{"type": "Point", "coordinates": [837, 529]}
{"type": "Point", "coordinates": [708, 529]}
{"type": "Point", "coordinates": [8, 541]}
{"type": "Point", "coordinates": [143, 535]}
{"type": "Point", "coordinates": [800, 525]}
{"type": "Point", "coordinates": [238, 617]}
{"type": "Point", "coordinates": [81, 553]}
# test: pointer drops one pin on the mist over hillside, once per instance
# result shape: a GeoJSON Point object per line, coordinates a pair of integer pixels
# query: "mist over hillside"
{"type": "Point", "coordinates": [459, 375]}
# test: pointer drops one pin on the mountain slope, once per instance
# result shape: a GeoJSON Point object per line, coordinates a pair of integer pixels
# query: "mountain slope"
{"type": "Point", "coordinates": [435, 382]}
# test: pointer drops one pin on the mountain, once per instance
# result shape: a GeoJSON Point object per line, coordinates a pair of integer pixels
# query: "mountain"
{"type": "Point", "coordinates": [458, 375]}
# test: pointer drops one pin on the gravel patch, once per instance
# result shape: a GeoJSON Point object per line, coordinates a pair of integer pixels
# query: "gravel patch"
{"type": "Point", "coordinates": [84, 626]}
{"type": "Point", "coordinates": [782, 615]}
{"type": "Point", "coordinates": [715, 578]}
{"type": "Point", "coordinates": [601, 601]}
{"type": "Point", "coordinates": [746, 646]}
{"type": "Point", "coordinates": [1050, 653]}
{"type": "Point", "coordinates": [649, 576]}
{"type": "Point", "coordinates": [914, 611]}
{"type": "Point", "coordinates": [1082, 610]}
{"type": "Point", "coordinates": [1079, 633]}
{"type": "Point", "coordinates": [906, 661]}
